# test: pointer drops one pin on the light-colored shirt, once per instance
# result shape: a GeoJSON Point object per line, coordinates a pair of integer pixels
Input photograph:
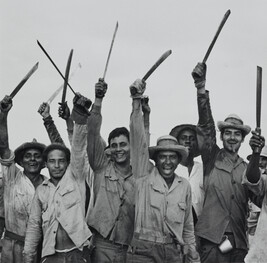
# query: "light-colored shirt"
{"type": "Point", "coordinates": [160, 212]}
{"type": "Point", "coordinates": [18, 195]}
{"type": "Point", "coordinates": [196, 181]}
{"type": "Point", "coordinates": [111, 213]}
{"type": "Point", "coordinates": [63, 204]}
{"type": "Point", "coordinates": [257, 252]}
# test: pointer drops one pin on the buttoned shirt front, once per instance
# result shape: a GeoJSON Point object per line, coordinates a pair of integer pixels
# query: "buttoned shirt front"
{"type": "Point", "coordinates": [112, 212]}
{"type": "Point", "coordinates": [160, 212]}
{"type": "Point", "coordinates": [226, 199]}
{"type": "Point", "coordinates": [195, 179]}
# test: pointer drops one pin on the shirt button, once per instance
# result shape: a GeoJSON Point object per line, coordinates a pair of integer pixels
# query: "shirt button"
{"type": "Point", "coordinates": [232, 196]}
{"type": "Point", "coordinates": [54, 232]}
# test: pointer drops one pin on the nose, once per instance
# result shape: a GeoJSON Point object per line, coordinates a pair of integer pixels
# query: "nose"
{"type": "Point", "coordinates": [167, 160]}
{"type": "Point", "coordinates": [56, 163]}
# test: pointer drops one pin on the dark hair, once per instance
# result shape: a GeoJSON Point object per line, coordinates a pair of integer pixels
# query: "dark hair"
{"type": "Point", "coordinates": [117, 132]}
{"type": "Point", "coordinates": [56, 146]}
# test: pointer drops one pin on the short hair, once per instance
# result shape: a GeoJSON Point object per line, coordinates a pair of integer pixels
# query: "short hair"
{"type": "Point", "coordinates": [117, 132]}
{"type": "Point", "coordinates": [56, 146]}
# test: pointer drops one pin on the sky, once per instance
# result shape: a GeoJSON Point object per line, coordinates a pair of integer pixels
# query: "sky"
{"type": "Point", "coordinates": [146, 30]}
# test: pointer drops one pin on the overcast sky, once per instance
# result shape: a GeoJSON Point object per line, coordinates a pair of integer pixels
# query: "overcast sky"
{"type": "Point", "coordinates": [146, 30]}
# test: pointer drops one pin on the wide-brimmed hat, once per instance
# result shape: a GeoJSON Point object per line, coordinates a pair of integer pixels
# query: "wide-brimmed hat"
{"type": "Point", "coordinates": [25, 146]}
{"type": "Point", "coordinates": [263, 153]}
{"type": "Point", "coordinates": [175, 132]}
{"type": "Point", "coordinates": [168, 143]}
{"type": "Point", "coordinates": [234, 121]}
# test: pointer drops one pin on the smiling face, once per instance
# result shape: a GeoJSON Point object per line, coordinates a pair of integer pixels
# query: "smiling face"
{"type": "Point", "coordinates": [56, 164]}
{"type": "Point", "coordinates": [120, 149]}
{"type": "Point", "coordinates": [166, 162]}
{"type": "Point", "coordinates": [32, 161]}
{"type": "Point", "coordinates": [232, 139]}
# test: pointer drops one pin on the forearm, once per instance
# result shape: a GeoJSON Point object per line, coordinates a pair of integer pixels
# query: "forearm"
{"type": "Point", "coordinates": [147, 127]}
{"type": "Point", "coordinates": [95, 146]}
{"type": "Point", "coordinates": [4, 144]}
{"type": "Point", "coordinates": [253, 173]}
{"type": "Point", "coordinates": [138, 140]}
{"type": "Point", "coordinates": [52, 131]}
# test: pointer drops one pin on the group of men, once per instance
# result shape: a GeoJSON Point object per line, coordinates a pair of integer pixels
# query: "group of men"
{"type": "Point", "coordinates": [139, 203]}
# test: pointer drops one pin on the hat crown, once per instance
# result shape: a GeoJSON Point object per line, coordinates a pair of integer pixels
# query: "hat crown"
{"type": "Point", "coordinates": [234, 119]}
{"type": "Point", "coordinates": [167, 140]}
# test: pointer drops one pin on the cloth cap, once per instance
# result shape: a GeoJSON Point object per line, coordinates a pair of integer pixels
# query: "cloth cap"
{"type": "Point", "coordinates": [262, 154]}
{"type": "Point", "coordinates": [175, 132]}
{"type": "Point", "coordinates": [25, 146]}
{"type": "Point", "coordinates": [168, 143]}
{"type": "Point", "coordinates": [235, 122]}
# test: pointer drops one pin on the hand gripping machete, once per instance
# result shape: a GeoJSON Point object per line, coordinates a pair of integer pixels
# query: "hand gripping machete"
{"type": "Point", "coordinates": [154, 67]}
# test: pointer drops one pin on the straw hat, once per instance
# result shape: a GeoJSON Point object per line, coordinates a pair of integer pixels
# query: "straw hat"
{"type": "Point", "coordinates": [25, 146]}
{"type": "Point", "coordinates": [234, 121]}
{"type": "Point", "coordinates": [168, 143]}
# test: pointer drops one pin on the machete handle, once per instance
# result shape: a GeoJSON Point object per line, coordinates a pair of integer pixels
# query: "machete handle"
{"type": "Point", "coordinates": [257, 149]}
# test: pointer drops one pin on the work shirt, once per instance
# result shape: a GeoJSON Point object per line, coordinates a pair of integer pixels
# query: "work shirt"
{"type": "Point", "coordinates": [18, 195]}
{"type": "Point", "coordinates": [112, 212]}
{"type": "Point", "coordinates": [161, 212]}
{"type": "Point", "coordinates": [195, 179]}
{"type": "Point", "coordinates": [257, 251]}
{"type": "Point", "coordinates": [63, 204]}
{"type": "Point", "coordinates": [226, 199]}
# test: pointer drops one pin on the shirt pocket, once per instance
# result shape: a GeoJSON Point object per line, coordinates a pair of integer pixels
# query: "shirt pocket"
{"type": "Point", "coordinates": [20, 203]}
{"type": "Point", "coordinates": [70, 198]}
{"type": "Point", "coordinates": [176, 212]}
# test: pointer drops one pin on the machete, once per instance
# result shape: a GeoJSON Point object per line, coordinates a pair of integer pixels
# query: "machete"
{"type": "Point", "coordinates": [110, 49]}
{"type": "Point", "coordinates": [67, 71]}
{"type": "Point", "coordinates": [49, 101]}
{"type": "Point", "coordinates": [258, 104]}
{"type": "Point", "coordinates": [216, 35]}
{"type": "Point", "coordinates": [23, 81]}
{"type": "Point", "coordinates": [39, 44]}
{"type": "Point", "coordinates": [159, 61]}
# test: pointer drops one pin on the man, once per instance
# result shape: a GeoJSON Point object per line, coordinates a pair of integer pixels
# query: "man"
{"type": "Point", "coordinates": [163, 208]}
{"type": "Point", "coordinates": [256, 180]}
{"type": "Point", "coordinates": [224, 214]}
{"type": "Point", "coordinates": [111, 215]}
{"type": "Point", "coordinates": [19, 186]}
{"type": "Point", "coordinates": [58, 210]}
{"type": "Point", "coordinates": [191, 169]}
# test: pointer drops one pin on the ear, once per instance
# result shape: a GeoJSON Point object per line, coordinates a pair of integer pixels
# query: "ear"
{"type": "Point", "coordinates": [221, 136]}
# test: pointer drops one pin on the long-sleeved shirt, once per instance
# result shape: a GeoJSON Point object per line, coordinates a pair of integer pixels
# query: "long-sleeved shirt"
{"type": "Point", "coordinates": [257, 251]}
{"type": "Point", "coordinates": [63, 204]}
{"type": "Point", "coordinates": [112, 212]}
{"type": "Point", "coordinates": [226, 199]}
{"type": "Point", "coordinates": [18, 195]}
{"type": "Point", "coordinates": [160, 211]}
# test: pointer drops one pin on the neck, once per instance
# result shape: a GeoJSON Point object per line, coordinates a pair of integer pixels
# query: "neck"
{"type": "Point", "coordinates": [35, 178]}
{"type": "Point", "coordinates": [233, 156]}
{"type": "Point", "coordinates": [123, 168]}
{"type": "Point", "coordinates": [54, 181]}
{"type": "Point", "coordinates": [169, 181]}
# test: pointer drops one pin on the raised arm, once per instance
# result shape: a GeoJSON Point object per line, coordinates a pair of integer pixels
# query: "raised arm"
{"type": "Point", "coordinates": [146, 113]}
{"type": "Point", "coordinates": [95, 145]}
{"type": "Point", "coordinates": [206, 131]}
{"type": "Point", "coordinates": [5, 106]}
{"type": "Point", "coordinates": [64, 113]}
{"type": "Point", "coordinates": [49, 124]}
{"type": "Point", "coordinates": [138, 139]}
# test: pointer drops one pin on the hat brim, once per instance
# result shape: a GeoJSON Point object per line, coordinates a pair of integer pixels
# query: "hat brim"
{"type": "Point", "coordinates": [175, 148]}
{"type": "Point", "coordinates": [222, 125]}
{"type": "Point", "coordinates": [25, 146]}
{"type": "Point", "coordinates": [175, 132]}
